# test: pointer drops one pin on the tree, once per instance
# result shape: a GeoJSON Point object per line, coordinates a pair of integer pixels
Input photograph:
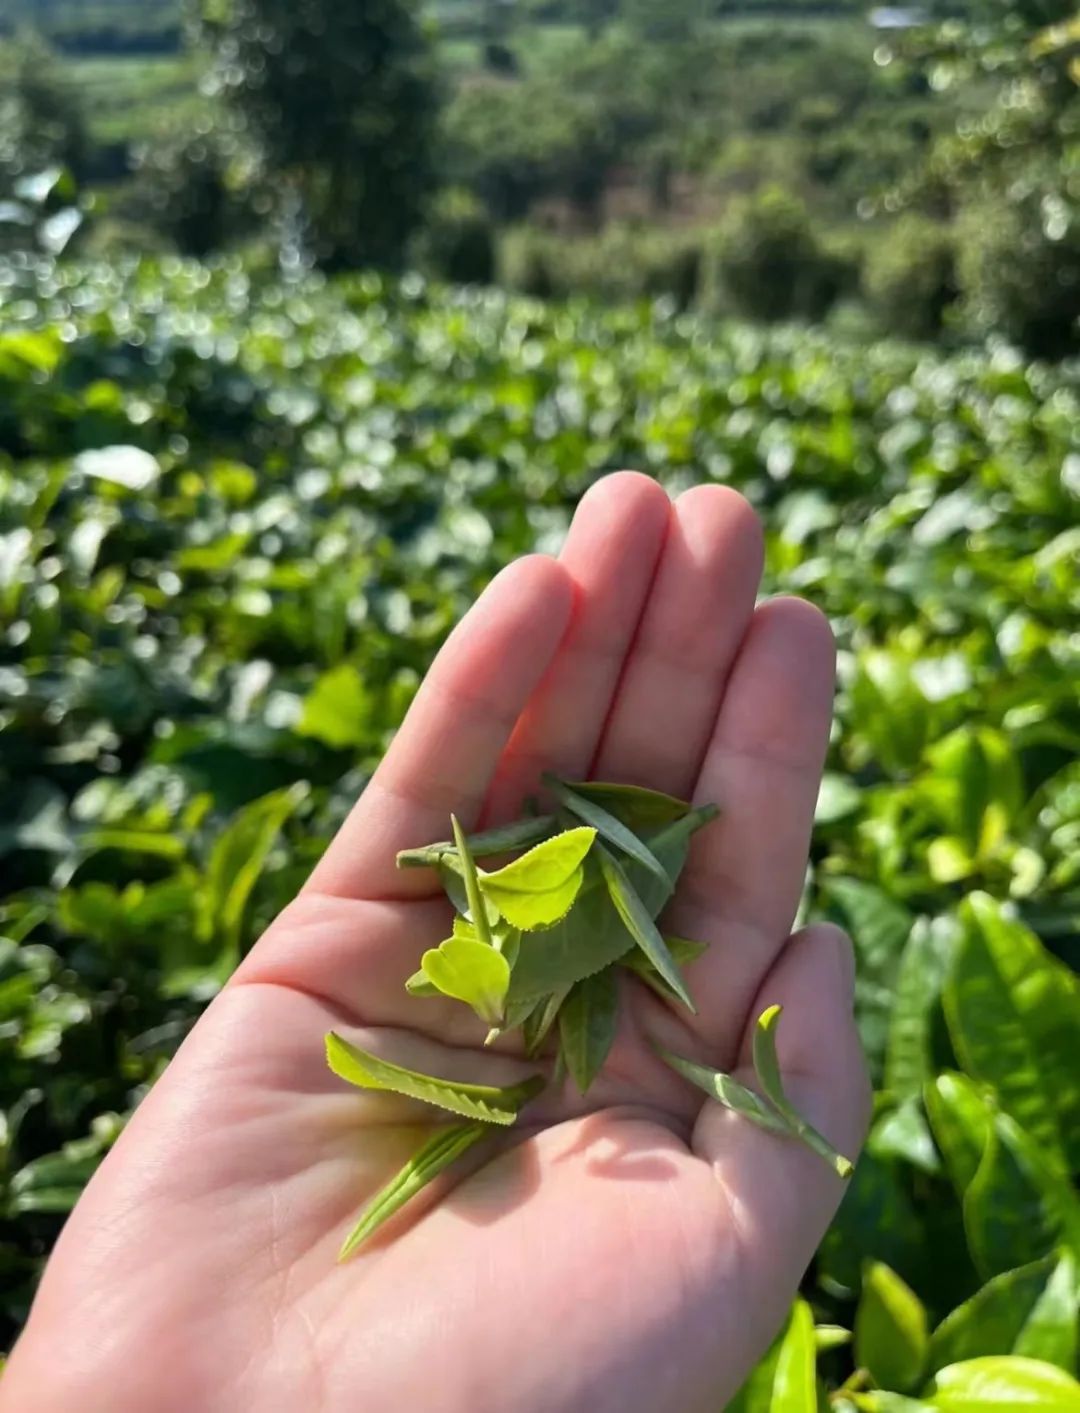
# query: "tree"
{"type": "Point", "coordinates": [341, 100]}
{"type": "Point", "coordinates": [41, 118]}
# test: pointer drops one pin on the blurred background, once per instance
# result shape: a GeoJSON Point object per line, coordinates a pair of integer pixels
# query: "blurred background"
{"type": "Point", "coordinates": [313, 314]}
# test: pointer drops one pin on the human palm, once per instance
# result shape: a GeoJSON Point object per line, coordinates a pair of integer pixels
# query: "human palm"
{"type": "Point", "coordinates": [632, 1251]}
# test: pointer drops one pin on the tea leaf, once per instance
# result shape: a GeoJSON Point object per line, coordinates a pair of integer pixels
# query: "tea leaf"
{"type": "Point", "coordinates": [1003, 1382]}
{"type": "Point", "coordinates": [587, 1024]}
{"type": "Point", "coordinates": [540, 1020]}
{"type": "Point", "coordinates": [507, 838]}
{"type": "Point", "coordinates": [471, 972]}
{"type": "Point", "coordinates": [590, 937]}
{"type": "Point", "coordinates": [671, 846]}
{"type": "Point", "coordinates": [419, 985]}
{"type": "Point", "coordinates": [453, 883]}
{"type": "Point", "coordinates": [785, 1380]}
{"type": "Point", "coordinates": [422, 1168]}
{"type": "Point", "coordinates": [608, 827]}
{"type": "Point", "coordinates": [531, 912]}
{"type": "Point", "coordinates": [767, 1067]}
{"type": "Point", "coordinates": [638, 921]}
{"type": "Point", "coordinates": [890, 1330]}
{"type": "Point", "coordinates": [1031, 1311]}
{"type": "Point", "coordinates": [961, 1122]}
{"type": "Point", "coordinates": [728, 1091]}
{"type": "Point", "coordinates": [924, 966]}
{"type": "Point", "coordinates": [682, 950]}
{"type": "Point", "coordinates": [636, 807]}
{"type": "Point", "coordinates": [477, 911]}
{"type": "Point", "coordinates": [472, 1101]}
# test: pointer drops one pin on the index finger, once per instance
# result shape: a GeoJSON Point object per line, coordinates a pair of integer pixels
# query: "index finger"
{"type": "Point", "coordinates": [445, 753]}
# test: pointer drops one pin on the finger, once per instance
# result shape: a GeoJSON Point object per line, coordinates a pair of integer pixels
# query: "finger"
{"type": "Point", "coordinates": [697, 613]}
{"type": "Point", "coordinates": [611, 554]}
{"type": "Point", "coordinates": [443, 757]}
{"type": "Point", "coordinates": [780, 1195]}
{"type": "Point", "coordinates": [741, 887]}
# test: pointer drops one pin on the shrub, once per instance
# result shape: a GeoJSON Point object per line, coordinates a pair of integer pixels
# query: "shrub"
{"type": "Point", "coordinates": [768, 262]}
{"type": "Point", "coordinates": [458, 243]}
{"type": "Point", "coordinates": [910, 276]}
{"type": "Point", "coordinates": [622, 263]}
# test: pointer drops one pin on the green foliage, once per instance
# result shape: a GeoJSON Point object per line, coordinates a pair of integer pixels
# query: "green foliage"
{"type": "Point", "coordinates": [238, 515]}
{"type": "Point", "coordinates": [910, 276]}
{"type": "Point", "coordinates": [341, 102]}
{"type": "Point", "coordinates": [458, 240]}
{"type": "Point", "coordinates": [770, 264]}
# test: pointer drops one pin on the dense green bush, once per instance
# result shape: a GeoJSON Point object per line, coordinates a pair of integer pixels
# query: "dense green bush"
{"type": "Point", "coordinates": [237, 516]}
{"type": "Point", "coordinates": [1020, 266]}
{"type": "Point", "coordinates": [768, 261]}
{"type": "Point", "coordinates": [623, 262]}
{"type": "Point", "coordinates": [910, 276]}
{"type": "Point", "coordinates": [458, 241]}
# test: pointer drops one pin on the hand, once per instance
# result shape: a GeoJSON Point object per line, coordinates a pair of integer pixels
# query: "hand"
{"type": "Point", "coordinates": [635, 1251]}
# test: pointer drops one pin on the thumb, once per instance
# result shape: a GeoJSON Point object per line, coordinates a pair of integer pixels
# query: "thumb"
{"type": "Point", "coordinates": [782, 1196]}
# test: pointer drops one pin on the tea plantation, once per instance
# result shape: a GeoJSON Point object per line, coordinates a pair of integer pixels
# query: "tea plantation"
{"type": "Point", "coordinates": [238, 515]}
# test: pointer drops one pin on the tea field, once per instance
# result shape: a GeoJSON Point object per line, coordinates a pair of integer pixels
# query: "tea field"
{"type": "Point", "coordinates": [237, 516]}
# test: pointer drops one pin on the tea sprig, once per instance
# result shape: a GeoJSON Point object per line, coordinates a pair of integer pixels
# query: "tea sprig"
{"type": "Point", "coordinates": [536, 947]}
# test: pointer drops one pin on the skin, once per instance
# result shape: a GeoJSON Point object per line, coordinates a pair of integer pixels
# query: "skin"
{"type": "Point", "coordinates": [635, 1251]}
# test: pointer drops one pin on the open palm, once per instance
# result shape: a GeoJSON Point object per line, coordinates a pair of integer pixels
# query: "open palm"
{"type": "Point", "coordinates": [634, 1251]}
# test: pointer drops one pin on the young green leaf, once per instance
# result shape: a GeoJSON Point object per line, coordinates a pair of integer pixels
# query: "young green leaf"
{"type": "Point", "coordinates": [453, 882]}
{"type": "Point", "coordinates": [590, 937]}
{"type": "Point", "coordinates": [444, 1148]}
{"type": "Point", "coordinates": [639, 809]}
{"type": "Point", "coordinates": [472, 1101]}
{"type": "Point", "coordinates": [1003, 1382]}
{"type": "Point", "coordinates": [767, 1068]}
{"type": "Point", "coordinates": [671, 846]}
{"type": "Point", "coordinates": [890, 1330]}
{"type": "Point", "coordinates": [1031, 1311]}
{"type": "Point", "coordinates": [682, 950]}
{"type": "Point", "coordinates": [538, 889]}
{"type": "Point", "coordinates": [638, 922]}
{"type": "Point", "coordinates": [419, 985]}
{"type": "Point", "coordinates": [608, 827]}
{"type": "Point", "coordinates": [471, 972]}
{"type": "Point", "coordinates": [961, 1121]}
{"type": "Point", "coordinates": [587, 1024]}
{"type": "Point", "coordinates": [728, 1091]}
{"type": "Point", "coordinates": [507, 838]}
{"type": "Point", "coordinates": [477, 911]}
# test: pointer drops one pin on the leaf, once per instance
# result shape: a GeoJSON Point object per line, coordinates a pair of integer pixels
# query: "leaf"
{"type": "Point", "coordinates": [638, 922]}
{"type": "Point", "coordinates": [728, 1091]}
{"type": "Point", "coordinates": [453, 882]}
{"type": "Point", "coordinates": [633, 805]}
{"type": "Point", "coordinates": [891, 1336]}
{"type": "Point", "coordinates": [785, 1379]}
{"type": "Point", "coordinates": [539, 888]}
{"type": "Point", "coordinates": [337, 710]}
{"type": "Point", "coordinates": [1014, 1019]}
{"type": "Point", "coordinates": [471, 972]}
{"type": "Point", "coordinates": [838, 798]}
{"type": "Point", "coordinates": [472, 1101]}
{"type": "Point", "coordinates": [961, 1122]}
{"type": "Point", "coordinates": [504, 840]}
{"type": "Point", "coordinates": [419, 985]}
{"type": "Point", "coordinates": [879, 928]}
{"type": "Point", "coordinates": [590, 937]}
{"type": "Point", "coordinates": [434, 1157]}
{"type": "Point", "coordinates": [671, 846]}
{"type": "Point", "coordinates": [608, 827]}
{"type": "Point", "coordinates": [128, 466]}
{"type": "Point", "coordinates": [237, 860]}
{"type": "Point", "coordinates": [1003, 1382]}
{"type": "Point", "coordinates": [532, 912]}
{"type": "Point", "coordinates": [478, 914]}
{"type": "Point", "coordinates": [923, 969]}
{"type": "Point", "coordinates": [903, 1132]}
{"type": "Point", "coordinates": [587, 1023]}
{"type": "Point", "coordinates": [1031, 1311]}
{"type": "Point", "coordinates": [682, 950]}
{"type": "Point", "coordinates": [1017, 1207]}
{"type": "Point", "coordinates": [767, 1068]}
{"type": "Point", "coordinates": [538, 1025]}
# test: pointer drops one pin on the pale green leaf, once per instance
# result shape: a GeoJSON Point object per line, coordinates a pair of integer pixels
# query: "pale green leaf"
{"type": "Point", "coordinates": [472, 1101]}
{"type": "Point", "coordinates": [633, 805]}
{"type": "Point", "coordinates": [728, 1091]}
{"type": "Point", "coordinates": [471, 972]}
{"type": "Point", "coordinates": [534, 911]}
{"type": "Point", "coordinates": [477, 911]}
{"type": "Point", "coordinates": [961, 1122]}
{"type": "Point", "coordinates": [923, 968]}
{"type": "Point", "coordinates": [767, 1068]}
{"type": "Point", "coordinates": [436, 1155]}
{"type": "Point", "coordinates": [337, 710]}
{"type": "Point", "coordinates": [785, 1379]}
{"type": "Point", "coordinates": [891, 1334]}
{"type": "Point", "coordinates": [999, 1382]}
